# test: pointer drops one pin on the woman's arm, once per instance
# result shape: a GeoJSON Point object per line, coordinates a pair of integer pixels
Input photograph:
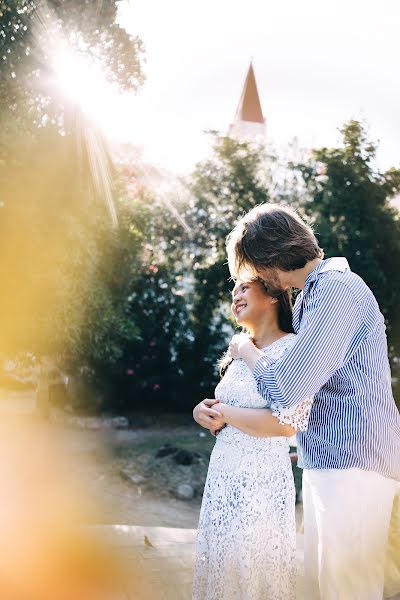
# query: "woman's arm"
{"type": "Point", "coordinates": [258, 422]}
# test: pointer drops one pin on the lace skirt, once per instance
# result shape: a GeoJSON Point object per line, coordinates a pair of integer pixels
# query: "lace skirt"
{"type": "Point", "coordinates": [246, 540]}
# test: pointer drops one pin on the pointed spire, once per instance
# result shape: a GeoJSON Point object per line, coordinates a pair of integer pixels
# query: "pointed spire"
{"type": "Point", "coordinates": [249, 108]}
{"type": "Point", "coordinates": [249, 122]}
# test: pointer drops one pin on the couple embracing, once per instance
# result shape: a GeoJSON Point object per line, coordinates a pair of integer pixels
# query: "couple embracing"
{"type": "Point", "coordinates": [320, 370]}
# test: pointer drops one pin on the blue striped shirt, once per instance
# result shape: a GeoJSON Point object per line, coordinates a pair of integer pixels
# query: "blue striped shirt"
{"type": "Point", "coordinates": [340, 358]}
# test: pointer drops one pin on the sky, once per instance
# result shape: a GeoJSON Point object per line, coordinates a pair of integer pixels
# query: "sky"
{"type": "Point", "coordinates": [317, 64]}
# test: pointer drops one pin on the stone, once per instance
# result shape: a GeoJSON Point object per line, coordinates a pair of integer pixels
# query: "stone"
{"type": "Point", "coordinates": [132, 477]}
{"type": "Point", "coordinates": [186, 457]}
{"type": "Point", "coordinates": [94, 423]}
{"type": "Point", "coordinates": [166, 450]}
{"type": "Point", "coordinates": [120, 422]}
{"type": "Point", "coordinates": [137, 479]}
{"type": "Point", "coordinates": [89, 423]}
{"type": "Point", "coordinates": [185, 491]}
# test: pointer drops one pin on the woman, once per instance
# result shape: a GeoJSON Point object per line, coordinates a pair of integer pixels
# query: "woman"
{"type": "Point", "coordinates": [246, 542]}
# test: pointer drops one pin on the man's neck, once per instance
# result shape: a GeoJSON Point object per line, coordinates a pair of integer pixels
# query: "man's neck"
{"type": "Point", "coordinates": [300, 275]}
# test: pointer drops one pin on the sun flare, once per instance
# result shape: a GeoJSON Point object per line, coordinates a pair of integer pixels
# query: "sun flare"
{"type": "Point", "coordinates": [83, 82]}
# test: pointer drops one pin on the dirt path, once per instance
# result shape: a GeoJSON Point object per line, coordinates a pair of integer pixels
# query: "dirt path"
{"type": "Point", "coordinates": [100, 458]}
{"type": "Point", "coordinates": [121, 472]}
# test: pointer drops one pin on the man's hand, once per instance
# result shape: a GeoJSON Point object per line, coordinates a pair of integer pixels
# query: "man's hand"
{"type": "Point", "coordinates": [206, 414]}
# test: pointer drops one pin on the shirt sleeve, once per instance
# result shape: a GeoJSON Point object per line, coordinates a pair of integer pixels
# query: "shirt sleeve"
{"type": "Point", "coordinates": [327, 335]}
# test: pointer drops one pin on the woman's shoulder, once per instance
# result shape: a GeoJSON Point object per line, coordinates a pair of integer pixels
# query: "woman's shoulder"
{"type": "Point", "coordinates": [280, 346]}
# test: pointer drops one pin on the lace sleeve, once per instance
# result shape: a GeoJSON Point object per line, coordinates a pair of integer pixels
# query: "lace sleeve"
{"type": "Point", "coordinates": [295, 416]}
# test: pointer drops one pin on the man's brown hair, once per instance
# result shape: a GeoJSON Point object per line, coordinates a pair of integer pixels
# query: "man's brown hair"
{"type": "Point", "coordinates": [271, 237]}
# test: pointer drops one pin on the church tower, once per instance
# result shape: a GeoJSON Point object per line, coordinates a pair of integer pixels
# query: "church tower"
{"type": "Point", "coordinates": [249, 122]}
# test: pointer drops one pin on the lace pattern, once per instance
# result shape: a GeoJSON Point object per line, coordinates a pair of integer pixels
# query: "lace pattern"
{"type": "Point", "coordinates": [246, 540]}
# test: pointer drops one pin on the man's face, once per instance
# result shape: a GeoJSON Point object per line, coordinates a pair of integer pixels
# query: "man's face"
{"type": "Point", "coordinates": [275, 279]}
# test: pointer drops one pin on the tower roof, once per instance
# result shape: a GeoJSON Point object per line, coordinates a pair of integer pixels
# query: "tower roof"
{"type": "Point", "coordinates": [249, 108]}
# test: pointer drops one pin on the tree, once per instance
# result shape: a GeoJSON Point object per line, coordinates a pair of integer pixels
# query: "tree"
{"type": "Point", "coordinates": [33, 32]}
{"type": "Point", "coordinates": [236, 178]}
{"type": "Point", "coordinates": [153, 366]}
{"type": "Point", "coordinates": [348, 200]}
{"type": "Point", "coordinates": [182, 292]}
{"type": "Point", "coordinates": [67, 271]}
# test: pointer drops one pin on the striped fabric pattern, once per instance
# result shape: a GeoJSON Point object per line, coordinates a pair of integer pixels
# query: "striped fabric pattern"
{"type": "Point", "coordinates": [340, 358]}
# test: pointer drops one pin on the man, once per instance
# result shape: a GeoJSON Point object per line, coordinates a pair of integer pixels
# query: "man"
{"type": "Point", "coordinates": [350, 452]}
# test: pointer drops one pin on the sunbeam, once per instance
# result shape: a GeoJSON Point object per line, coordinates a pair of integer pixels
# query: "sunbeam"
{"type": "Point", "coordinates": [77, 78]}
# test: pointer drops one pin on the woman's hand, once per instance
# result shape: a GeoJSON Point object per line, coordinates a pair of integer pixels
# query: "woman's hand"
{"type": "Point", "coordinates": [218, 422]}
{"type": "Point", "coordinates": [207, 415]}
{"type": "Point", "coordinates": [241, 346]}
{"type": "Point", "coordinates": [238, 345]}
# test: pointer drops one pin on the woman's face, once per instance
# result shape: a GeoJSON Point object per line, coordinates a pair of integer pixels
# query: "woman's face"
{"type": "Point", "coordinates": [251, 302]}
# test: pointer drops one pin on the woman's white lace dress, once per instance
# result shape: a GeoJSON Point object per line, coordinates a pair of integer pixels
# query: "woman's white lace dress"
{"type": "Point", "coordinates": [246, 541]}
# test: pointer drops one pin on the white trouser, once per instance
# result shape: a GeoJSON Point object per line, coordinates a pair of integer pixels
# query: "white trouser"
{"type": "Point", "coordinates": [346, 521]}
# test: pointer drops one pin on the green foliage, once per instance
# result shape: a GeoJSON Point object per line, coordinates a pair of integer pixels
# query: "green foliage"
{"type": "Point", "coordinates": [224, 187]}
{"type": "Point", "coordinates": [184, 292]}
{"type": "Point", "coordinates": [142, 308]}
{"type": "Point", "coordinates": [67, 271]}
{"type": "Point", "coordinates": [153, 368]}
{"type": "Point", "coordinates": [348, 200]}
{"type": "Point", "coordinates": [31, 34]}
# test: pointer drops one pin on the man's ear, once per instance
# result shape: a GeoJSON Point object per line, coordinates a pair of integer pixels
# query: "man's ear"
{"type": "Point", "coordinates": [274, 300]}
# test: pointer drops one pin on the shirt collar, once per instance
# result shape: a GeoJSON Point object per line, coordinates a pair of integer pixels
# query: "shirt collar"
{"type": "Point", "coordinates": [337, 263]}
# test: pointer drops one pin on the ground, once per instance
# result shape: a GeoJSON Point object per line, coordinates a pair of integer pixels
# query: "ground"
{"type": "Point", "coordinates": [137, 473]}
{"type": "Point", "coordinates": [120, 469]}
{"type": "Point", "coordinates": [140, 517]}
{"type": "Point", "coordinates": [134, 487]}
